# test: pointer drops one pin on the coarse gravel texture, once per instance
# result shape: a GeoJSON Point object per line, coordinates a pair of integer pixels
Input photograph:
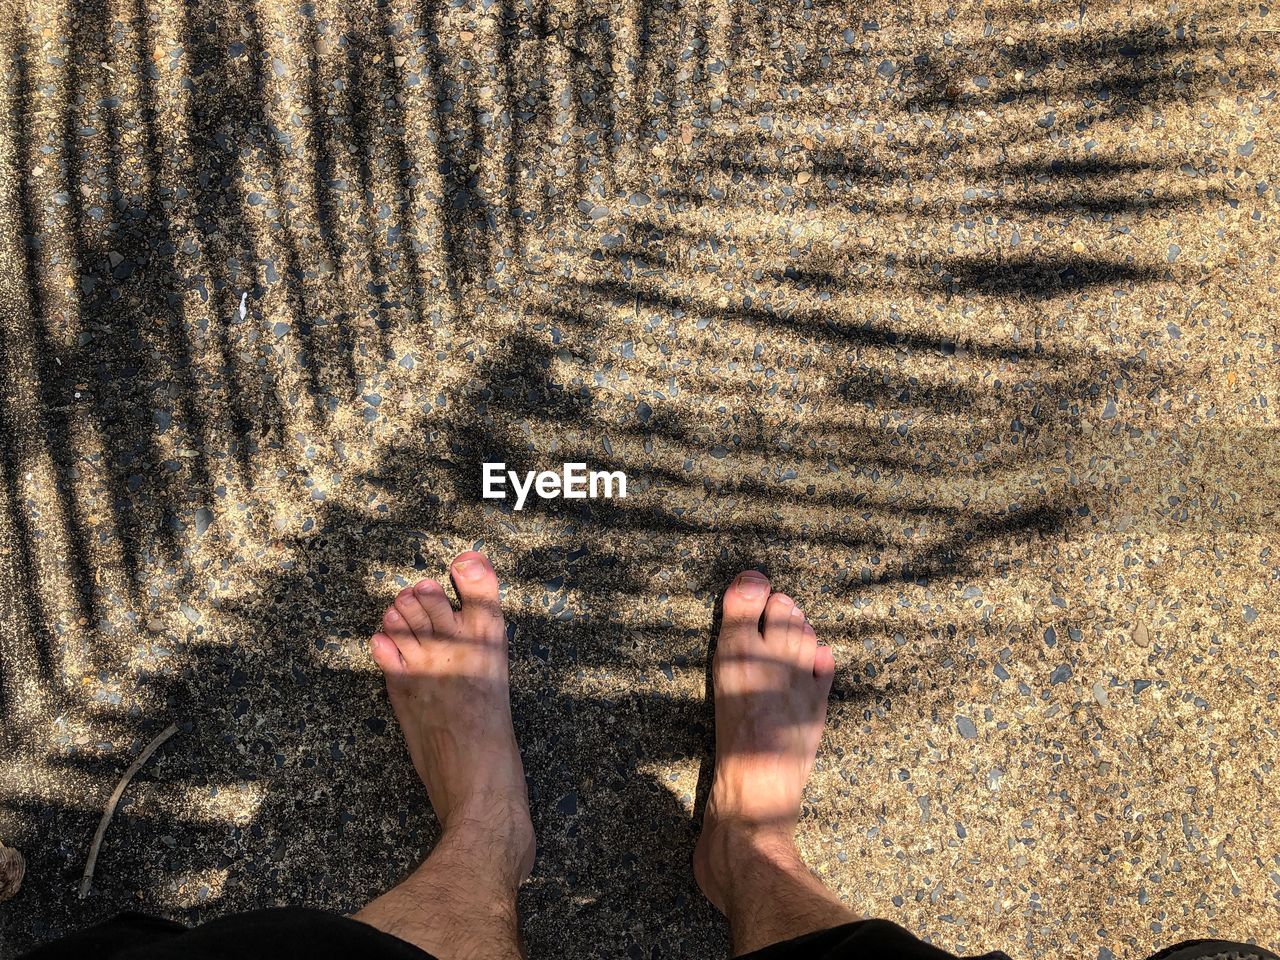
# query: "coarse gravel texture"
{"type": "Point", "coordinates": [959, 320]}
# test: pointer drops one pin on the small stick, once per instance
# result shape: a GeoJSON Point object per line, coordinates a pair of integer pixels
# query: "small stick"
{"type": "Point", "coordinates": [108, 813]}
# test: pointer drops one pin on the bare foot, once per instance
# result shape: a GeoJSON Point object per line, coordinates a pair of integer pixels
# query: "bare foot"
{"type": "Point", "coordinates": [771, 704]}
{"type": "Point", "coordinates": [446, 676]}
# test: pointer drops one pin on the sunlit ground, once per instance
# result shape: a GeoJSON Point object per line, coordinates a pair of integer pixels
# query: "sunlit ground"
{"type": "Point", "coordinates": [959, 320]}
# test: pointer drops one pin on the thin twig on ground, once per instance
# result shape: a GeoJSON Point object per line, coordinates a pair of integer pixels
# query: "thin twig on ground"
{"type": "Point", "coordinates": [87, 879]}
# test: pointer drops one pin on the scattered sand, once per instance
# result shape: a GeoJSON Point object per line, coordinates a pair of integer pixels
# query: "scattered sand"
{"type": "Point", "coordinates": [958, 320]}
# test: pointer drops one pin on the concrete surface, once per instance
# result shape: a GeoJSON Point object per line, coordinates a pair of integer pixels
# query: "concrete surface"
{"type": "Point", "coordinates": [960, 320]}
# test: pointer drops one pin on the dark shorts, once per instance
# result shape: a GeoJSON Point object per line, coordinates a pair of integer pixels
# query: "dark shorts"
{"type": "Point", "coordinates": [289, 932]}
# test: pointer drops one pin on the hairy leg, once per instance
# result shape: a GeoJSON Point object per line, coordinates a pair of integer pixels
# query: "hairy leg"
{"type": "Point", "coordinates": [456, 905]}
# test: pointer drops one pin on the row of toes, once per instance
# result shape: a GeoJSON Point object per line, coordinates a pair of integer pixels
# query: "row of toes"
{"type": "Point", "coordinates": [424, 610]}
{"type": "Point", "coordinates": [754, 614]}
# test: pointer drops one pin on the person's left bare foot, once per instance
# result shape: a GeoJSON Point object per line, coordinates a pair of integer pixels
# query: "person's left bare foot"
{"type": "Point", "coordinates": [446, 676]}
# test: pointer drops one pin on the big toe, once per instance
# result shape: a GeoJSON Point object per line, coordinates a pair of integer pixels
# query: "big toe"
{"type": "Point", "coordinates": [477, 586]}
{"type": "Point", "coordinates": [744, 602]}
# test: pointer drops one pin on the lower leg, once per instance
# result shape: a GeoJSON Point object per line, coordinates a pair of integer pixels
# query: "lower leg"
{"type": "Point", "coordinates": [446, 676]}
{"type": "Point", "coordinates": [770, 689]}
{"type": "Point", "coordinates": [459, 904]}
{"type": "Point", "coordinates": [768, 893]}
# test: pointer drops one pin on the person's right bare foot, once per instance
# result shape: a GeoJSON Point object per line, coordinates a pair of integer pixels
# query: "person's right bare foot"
{"type": "Point", "coordinates": [771, 692]}
{"type": "Point", "coordinates": [446, 676]}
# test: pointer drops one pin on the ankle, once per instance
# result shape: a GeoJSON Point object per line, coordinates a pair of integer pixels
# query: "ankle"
{"type": "Point", "coordinates": [498, 847]}
{"type": "Point", "coordinates": [730, 852]}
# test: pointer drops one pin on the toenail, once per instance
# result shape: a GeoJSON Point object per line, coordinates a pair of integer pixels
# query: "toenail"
{"type": "Point", "coordinates": [797, 613]}
{"type": "Point", "coordinates": [752, 585]}
{"type": "Point", "coordinates": [469, 569]}
{"type": "Point", "coordinates": [393, 615]}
